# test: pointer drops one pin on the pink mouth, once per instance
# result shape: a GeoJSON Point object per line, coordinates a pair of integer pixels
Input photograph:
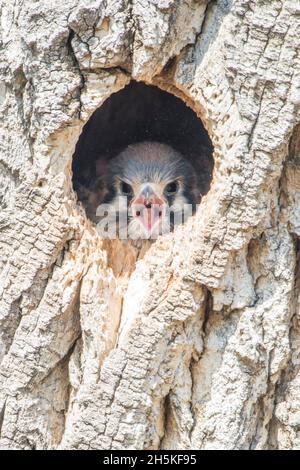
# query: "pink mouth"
{"type": "Point", "coordinates": [149, 213]}
{"type": "Point", "coordinates": [148, 217]}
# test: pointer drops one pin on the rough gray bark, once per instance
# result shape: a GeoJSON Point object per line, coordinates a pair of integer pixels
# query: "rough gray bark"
{"type": "Point", "coordinates": [195, 345]}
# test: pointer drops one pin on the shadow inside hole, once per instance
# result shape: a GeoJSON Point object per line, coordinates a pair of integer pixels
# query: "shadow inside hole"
{"type": "Point", "coordinates": [137, 113]}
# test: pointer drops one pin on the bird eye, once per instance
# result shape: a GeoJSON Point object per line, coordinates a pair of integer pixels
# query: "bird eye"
{"type": "Point", "coordinates": [171, 188]}
{"type": "Point", "coordinates": [126, 188]}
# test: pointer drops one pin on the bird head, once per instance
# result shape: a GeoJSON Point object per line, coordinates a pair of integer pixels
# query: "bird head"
{"type": "Point", "coordinates": [153, 177]}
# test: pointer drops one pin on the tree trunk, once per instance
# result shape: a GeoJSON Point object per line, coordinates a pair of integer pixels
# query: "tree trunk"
{"type": "Point", "coordinates": [195, 345]}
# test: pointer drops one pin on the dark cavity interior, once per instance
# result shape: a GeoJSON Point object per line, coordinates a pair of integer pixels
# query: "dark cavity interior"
{"type": "Point", "coordinates": [137, 113]}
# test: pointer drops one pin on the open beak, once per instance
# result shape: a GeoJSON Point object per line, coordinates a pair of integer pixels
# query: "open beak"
{"type": "Point", "coordinates": [148, 208]}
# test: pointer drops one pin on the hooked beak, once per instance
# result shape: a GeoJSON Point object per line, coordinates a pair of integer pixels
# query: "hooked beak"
{"type": "Point", "coordinates": [148, 208]}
